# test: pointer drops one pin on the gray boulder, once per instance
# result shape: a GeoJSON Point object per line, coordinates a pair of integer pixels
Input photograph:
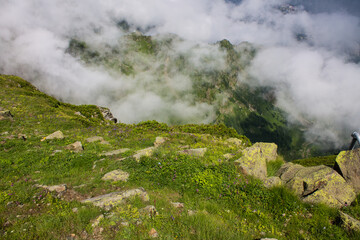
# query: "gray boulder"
{"type": "Point", "coordinates": [54, 135]}
{"type": "Point", "coordinates": [116, 175]}
{"type": "Point", "coordinates": [76, 147]}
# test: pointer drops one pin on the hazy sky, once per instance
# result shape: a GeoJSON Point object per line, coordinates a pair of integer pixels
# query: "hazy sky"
{"type": "Point", "coordinates": [316, 78]}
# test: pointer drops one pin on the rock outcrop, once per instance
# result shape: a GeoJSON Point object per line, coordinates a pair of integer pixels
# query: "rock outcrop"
{"type": "Point", "coordinates": [347, 164]}
{"type": "Point", "coordinates": [319, 184]}
{"type": "Point", "coordinates": [143, 153]}
{"type": "Point", "coordinates": [107, 114]}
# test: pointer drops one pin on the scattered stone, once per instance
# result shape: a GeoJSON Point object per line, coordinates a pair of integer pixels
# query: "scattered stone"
{"type": "Point", "coordinates": [272, 182]}
{"type": "Point", "coordinates": [147, 152]}
{"type": "Point", "coordinates": [159, 141]}
{"type": "Point", "coordinates": [94, 165]}
{"type": "Point", "coordinates": [76, 147]}
{"type": "Point", "coordinates": [350, 222]}
{"type": "Point", "coordinates": [96, 221]}
{"type": "Point", "coordinates": [150, 210]}
{"type": "Point", "coordinates": [57, 188]}
{"type": "Point", "coordinates": [115, 152]}
{"type": "Point", "coordinates": [6, 114]}
{"type": "Point", "coordinates": [196, 152]}
{"type": "Point", "coordinates": [75, 210]}
{"type": "Point", "coordinates": [79, 114]}
{"type": "Point", "coordinates": [22, 137]}
{"type": "Point", "coordinates": [110, 200]}
{"type": "Point", "coordinates": [116, 175]}
{"type": "Point", "coordinates": [55, 135]}
{"type": "Point", "coordinates": [177, 205]}
{"type": "Point", "coordinates": [319, 184]}
{"type": "Point", "coordinates": [153, 233]}
{"type": "Point", "coordinates": [97, 139]}
{"type": "Point", "coordinates": [234, 141]}
{"type": "Point", "coordinates": [56, 151]}
{"type": "Point", "coordinates": [347, 164]}
{"type": "Point", "coordinates": [125, 224]}
{"type": "Point", "coordinates": [191, 212]}
{"type": "Point", "coordinates": [228, 156]}
{"type": "Point", "coordinates": [107, 114]}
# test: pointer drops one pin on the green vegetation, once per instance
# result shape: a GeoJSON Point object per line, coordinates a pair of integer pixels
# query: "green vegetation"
{"type": "Point", "coordinates": [314, 161]}
{"type": "Point", "coordinates": [219, 203]}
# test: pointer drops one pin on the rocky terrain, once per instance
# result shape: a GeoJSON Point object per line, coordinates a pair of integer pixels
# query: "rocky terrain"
{"type": "Point", "coordinates": [73, 172]}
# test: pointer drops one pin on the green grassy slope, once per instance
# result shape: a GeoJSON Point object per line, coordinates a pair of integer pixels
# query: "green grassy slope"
{"type": "Point", "coordinates": [219, 203]}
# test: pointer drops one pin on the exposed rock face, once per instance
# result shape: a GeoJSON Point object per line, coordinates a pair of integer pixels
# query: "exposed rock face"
{"type": "Point", "coordinates": [76, 147]}
{"type": "Point", "coordinates": [350, 222]}
{"type": "Point", "coordinates": [147, 152]}
{"type": "Point", "coordinates": [107, 114]}
{"type": "Point", "coordinates": [348, 165]}
{"type": "Point", "coordinates": [319, 184]}
{"type": "Point", "coordinates": [110, 200]}
{"type": "Point", "coordinates": [116, 175]}
{"type": "Point", "coordinates": [55, 135]}
{"type": "Point", "coordinates": [196, 152]}
{"type": "Point", "coordinates": [115, 152]}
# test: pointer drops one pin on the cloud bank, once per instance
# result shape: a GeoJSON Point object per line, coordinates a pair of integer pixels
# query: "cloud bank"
{"type": "Point", "coordinates": [308, 52]}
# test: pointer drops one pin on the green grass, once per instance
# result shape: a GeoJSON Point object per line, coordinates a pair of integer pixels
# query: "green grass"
{"type": "Point", "coordinates": [222, 203]}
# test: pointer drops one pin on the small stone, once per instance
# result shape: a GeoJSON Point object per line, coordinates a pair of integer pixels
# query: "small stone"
{"type": "Point", "coordinates": [125, 224]}
{"type": "Point", "coordinates": [94, 139]}
{"type": "Point", "coordinates": [22, 137]}
{"type": "Point", "coordinates": [76, 147]}
{"type": "Point", "coordinates": [6, 114]}
{"type": "Point", "coordinates": [197, 152]}
{"type": "Point", "coordinates": [75, 210]}
{"type": "Point", "coordinates": [191, 212]}
{"type": "Point", "coordinates": [116, 152]}
{"type": "Point", "coordinates": [151, 210]}
{"type": "Point", "coordinates": [177, 204]}
{"type": "Point", "coordinates": [153, 233]}
{"type": "Point", "coordinates": [55, 135]}
{"type": "Point", "coordinates": [79, 114]}
{"type": "Point", "coordinates": [57, 188]}
{"type": "Point", "coordinates": [116, 175]}
{"type": "Point", "coordinates": [96, 221]}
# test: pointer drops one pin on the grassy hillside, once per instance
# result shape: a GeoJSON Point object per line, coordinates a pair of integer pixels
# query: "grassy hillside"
{"type": "Point", "coordinates": [218, 201]}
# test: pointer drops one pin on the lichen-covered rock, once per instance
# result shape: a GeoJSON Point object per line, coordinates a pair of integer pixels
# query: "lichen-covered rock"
{"type": "Point", "coordinates": [55, 135]}
{"type": "Point", "coordinates": [196, 152]}
{"type": "Point", "coordinates": [110, 200]}
{"type": "Point", "coordinates": [252, 163]}
{"type": "Point", "coordinates": [147, 152]}
{"type": "Point", "coordinates": [97, 139]}
{"type": "Point", "coordinates": [319, 184]}
{"type": "Point", "coordinates": [107, 114]}
{"type": "Point", "coordinates": [76, 147]}
{"type": "Point", "coordinates": [350, 222]}
{"type": "Point", "coordinates": [115, 152]}
{"type": "Point", "coordinates": [116, 175]}
{"type": "Point", "coordinates": [272, 182]}
{"type": "Point", "coordinates": [348, 165]}
{"type": "Point", "coordinates": [268, 150]}
{"type": "Point", "coordinates": [55, 188]}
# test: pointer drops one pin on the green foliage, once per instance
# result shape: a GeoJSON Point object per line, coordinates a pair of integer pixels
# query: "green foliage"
{"type": "Point", "coordinates": [315, 161]}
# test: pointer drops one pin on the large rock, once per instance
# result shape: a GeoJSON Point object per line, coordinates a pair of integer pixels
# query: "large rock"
{"type": "Point", "coordinates": [268, 150]}
{"type": "Point", "coordinates": [348, 165]}
{"type": "Point", "coordinates": [55, 135]}
{"type": "Point", "coordinates": [252, 163]}
{"type": "Point", "coordinates": [319, 184]}
{"type": "Point", "coordinates": [107, 114]}
{"type": "Point", "coordinates": [116, 175]}
{"type": "Point", "coordinates": [110, 200]}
